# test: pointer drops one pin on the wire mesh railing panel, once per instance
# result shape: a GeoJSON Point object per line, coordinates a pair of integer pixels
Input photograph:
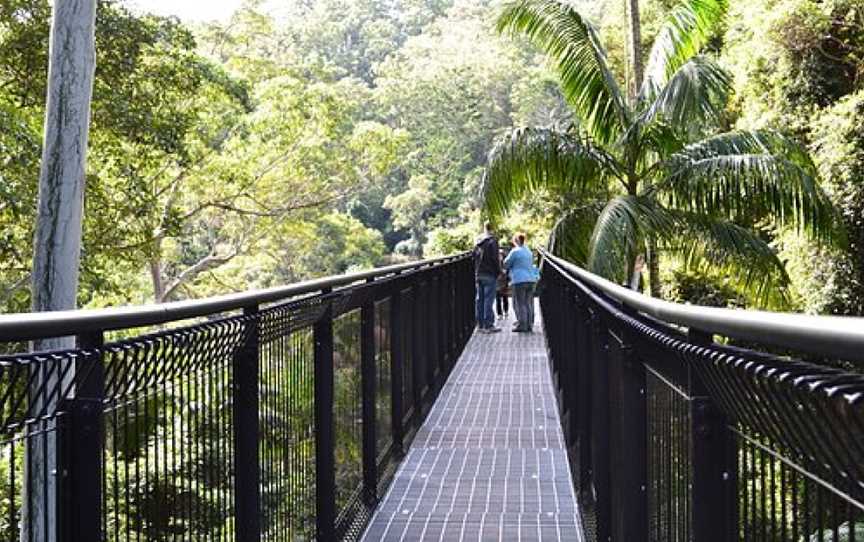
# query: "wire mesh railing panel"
{"type": "Point", "coordinates": [669, 464]}
{"type": "Point", "coordinates": [283, 422]}
{"type": "Point", "coordinates": [287, 435]}
{"type": "Point", "coordinates": [779, 500]}
{"type": "Point", "coordinates": [347, 416]}
{"type": "Point", "coordinates": [800, 445]}
{"type": "Point", "coordinates": [34, 388]}
{"type": "Point", "coordinates": [383, 388]}
{"type": "Point", "coordinates": [739, 444]}
{"type": "Point", "coordinates": [408, 338]}
{"type": "Point", "coordinates": [168, 469]}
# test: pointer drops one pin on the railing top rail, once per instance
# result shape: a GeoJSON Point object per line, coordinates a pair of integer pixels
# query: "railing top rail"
{"type": "Point", "coordinates": [836, 336]}
{"type": "Point", "coordinates": [36, 325]}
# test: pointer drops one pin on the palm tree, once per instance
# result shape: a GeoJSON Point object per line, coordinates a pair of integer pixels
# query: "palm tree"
{"type": "Point", "coordinates": [630, 177]}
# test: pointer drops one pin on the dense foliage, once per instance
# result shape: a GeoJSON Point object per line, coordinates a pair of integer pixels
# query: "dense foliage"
{"type": "Point", "coordinates": [643, 176]}
{"type": "Point", "coordinates": [262, 150]}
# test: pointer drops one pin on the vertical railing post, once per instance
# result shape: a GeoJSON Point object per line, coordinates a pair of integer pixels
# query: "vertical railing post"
{"type": "Point", "coordinates": [572, 368]}
{"type": "Point", "coordinates": [713, 461]}
{"type": "Point", "coordinates": [325, 462]}
{"type": "Point", "coordinates": [397, 405]}
{"type": "Point", "coordinates": [600, 405]}
{"type": "Point", "coordinates": [469, 306]}
{"type": "Point", "coordinates": [430, 330]}
{"type": "Point", "coordinates": [455, 307]}
{"type": "Point", "coordinates": [368, 381]}
{"type": "Point", "coordinates": [80, 444]}
{"type": "Point", "coordinates": [246, 431]}
{"type": "Point", "coordinates": [584, 382]}
{"type": "Point", "coordinates": [628, 420]}
{"type": "Point", "coordinates": [417, 347]}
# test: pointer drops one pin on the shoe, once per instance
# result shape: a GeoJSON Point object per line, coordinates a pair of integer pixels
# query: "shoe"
{"type": "Point", "coordinates": [520, 330]}
{"type": "Point", "coordinates": [482, 330]}
{"type": "Point", "coordinates": [493, 329]}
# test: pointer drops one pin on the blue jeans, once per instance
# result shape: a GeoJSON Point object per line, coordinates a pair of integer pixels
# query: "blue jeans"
{"type": "Point", "coordinates": [485, 300]}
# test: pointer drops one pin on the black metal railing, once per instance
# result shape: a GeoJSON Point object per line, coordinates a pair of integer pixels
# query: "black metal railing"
{"type": "Point", "coordinates": [272, 415]}
{"type": "Point", "coordinates": [676, 436]}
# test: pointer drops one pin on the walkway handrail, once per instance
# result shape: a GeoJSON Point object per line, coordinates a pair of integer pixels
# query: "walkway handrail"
{"type": "Point", "coordinates": [835, 336]}
{"type": "Point", "coordinates": [677, 437]}
{"type": "Point", "coordinates": [276, 414]}
{"type": "Point", "coordinates": [37, 325]}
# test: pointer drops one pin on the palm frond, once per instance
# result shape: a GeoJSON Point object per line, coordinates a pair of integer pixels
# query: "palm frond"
{"type": "Point", "coordinates": [696, 93]}
{"type": "Point", "coordinates": [571, 234]}
{"type": "Point", "coordinates": [574, 47]}
{"type": "Point", "coordinates": [753, 142]}
{"type": "Point", "coordinates": [527, 159]}
{"type": "Point", "coordinates": [724, 248]}
{"type": "Point", "coordinates": [620, 229]}
{"type": "Point", "coordinates": [686, 30]}
{"type": "Point", "coordinates": [739, 176]}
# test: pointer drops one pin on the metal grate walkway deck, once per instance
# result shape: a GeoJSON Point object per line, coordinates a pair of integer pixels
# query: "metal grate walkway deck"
{"type": "Point", "coordinates": [490, 462]}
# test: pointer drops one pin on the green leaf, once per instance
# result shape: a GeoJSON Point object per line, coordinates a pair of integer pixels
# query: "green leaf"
{"type": "Point", "coordinates": [749, 176]}
{"type": "Point", "coordinates": [697, 93]}
{"type": "Point", "coordinates": [571, 235]}
{"type": "Point", "coordinates": [733, 251]}
{"type": "Point", "coordinates": [686, 31]}
{"type": "Point", "coordinates": [528, 159]}
{"type": "Point", "coordinates": [574, 47]}
{"type": "Point", "coordinates": [621, 227]}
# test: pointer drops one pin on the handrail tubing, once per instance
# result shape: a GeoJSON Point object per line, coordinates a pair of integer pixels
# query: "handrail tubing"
{"type": "Point", "coordinates": [840, 337]}
{"type": "Point", "coordinates": [40, 325]}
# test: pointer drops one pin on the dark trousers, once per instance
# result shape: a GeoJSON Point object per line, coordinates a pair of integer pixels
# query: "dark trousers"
{"type": "Point", "coordinates": [523, 303]}
{"type": "Point", "coordinates": [502, 304]}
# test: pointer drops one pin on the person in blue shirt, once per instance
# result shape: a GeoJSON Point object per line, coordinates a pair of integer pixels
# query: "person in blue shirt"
{"type": "Point", "coordinates": [520, 264]}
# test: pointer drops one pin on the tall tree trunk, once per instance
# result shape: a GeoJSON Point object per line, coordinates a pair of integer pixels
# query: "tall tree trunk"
{"type": "Point", "coordinates": [634, 45]}
{"type": "Point", "coordinates": [57, 241]}
{"type": "Point", "coordinates": [157, 279]}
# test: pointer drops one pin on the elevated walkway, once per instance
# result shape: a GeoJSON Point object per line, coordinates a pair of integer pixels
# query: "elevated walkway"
{"type": "Point", "coordinates": [490, 462]}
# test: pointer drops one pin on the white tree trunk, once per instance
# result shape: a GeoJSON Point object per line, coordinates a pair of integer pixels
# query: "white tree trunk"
{"type": "Point", "coordinates": [57, 242]}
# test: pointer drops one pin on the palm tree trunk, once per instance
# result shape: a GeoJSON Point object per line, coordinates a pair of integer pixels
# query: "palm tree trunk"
{"type": "Point", "coordinates": [654, 269]}
{"type": "Point", "coordinates": [634, 39]}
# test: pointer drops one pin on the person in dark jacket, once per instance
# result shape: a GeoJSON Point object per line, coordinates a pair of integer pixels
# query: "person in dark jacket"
{"type": "Point", "coordinates": [487, 268]}
{"type": "Point", "coordinates": [502, 294]}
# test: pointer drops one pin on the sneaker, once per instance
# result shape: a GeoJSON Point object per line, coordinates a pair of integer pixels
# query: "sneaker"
{"type": "Point", "coordinates": [493, 329]}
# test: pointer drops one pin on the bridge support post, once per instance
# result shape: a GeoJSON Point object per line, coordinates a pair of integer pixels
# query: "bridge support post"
{"type": "Point", "coordinates": [584, 414]}
{"type": "Point", "coordinates": [417, 348]}
{"type": "Point", "coordinates": [713, 455]}
{"type": "Point", "coordinates": [433, 323]}
{"type": "Point", "coordinates": [397, 405]}
{"type": "Point", "coordinates": [368, 381]}
{"type": "Point", "coordinates": [600, 445]}
{"type": "Point", "coordinates": [629, 467]}
{"type": "Point", "coordinates": [570, 369]}
{"type": "Point", "coordinates": [80, 441]}
{"type": "Point", "coordinates": [246, 432]}
{"type": "Point", "coordinates": [325, 461]}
